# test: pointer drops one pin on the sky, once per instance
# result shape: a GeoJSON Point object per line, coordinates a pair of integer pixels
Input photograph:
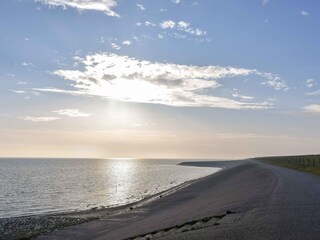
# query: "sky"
{"type": "Point", "coordinates": [220, 79]}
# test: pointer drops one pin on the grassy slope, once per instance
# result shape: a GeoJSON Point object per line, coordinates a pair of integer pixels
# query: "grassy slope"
{"type": "Point", "coordinates": [290, 162]}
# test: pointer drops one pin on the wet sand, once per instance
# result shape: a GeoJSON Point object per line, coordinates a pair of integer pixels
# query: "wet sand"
{"type": "Point", "coordinates": [246, 200]}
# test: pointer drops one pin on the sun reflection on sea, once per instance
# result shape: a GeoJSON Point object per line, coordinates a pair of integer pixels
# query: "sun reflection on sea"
{"type": "Point", "coordinates": [123, 173]}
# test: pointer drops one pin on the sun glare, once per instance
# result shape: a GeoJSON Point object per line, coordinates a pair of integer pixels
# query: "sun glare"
{"type": "Point", "coordinates": [131, 90]}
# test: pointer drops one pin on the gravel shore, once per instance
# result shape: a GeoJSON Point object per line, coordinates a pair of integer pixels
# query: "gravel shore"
{"type": "Point", "coordinates": [27, 227]}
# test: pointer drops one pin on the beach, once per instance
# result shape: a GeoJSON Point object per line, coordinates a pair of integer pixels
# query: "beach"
{"type": "Point", "coordinates": [245, 200]}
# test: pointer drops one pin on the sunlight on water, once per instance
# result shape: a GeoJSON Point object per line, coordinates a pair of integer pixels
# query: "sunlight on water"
{"type": "Point", "coordinates": [39, 186]}
{"type": "Point", "coordinates": [122, 171]}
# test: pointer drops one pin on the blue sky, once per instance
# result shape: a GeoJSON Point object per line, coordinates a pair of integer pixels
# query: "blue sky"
{"type": "Point", "coordinates": [188, 78]}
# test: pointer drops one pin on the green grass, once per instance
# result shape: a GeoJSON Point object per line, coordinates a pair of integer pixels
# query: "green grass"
{"type": "Point", "coordinates": [304, 163]}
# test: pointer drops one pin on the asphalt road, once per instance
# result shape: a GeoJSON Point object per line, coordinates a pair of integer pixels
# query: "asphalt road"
{"type": "Point", "coordinates": [246, 200]}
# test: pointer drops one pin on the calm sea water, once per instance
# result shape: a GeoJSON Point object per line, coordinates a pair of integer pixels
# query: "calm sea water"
{"type": "Point", "coordinates": [40, 186]}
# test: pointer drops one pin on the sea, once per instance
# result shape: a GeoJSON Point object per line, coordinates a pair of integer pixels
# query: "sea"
{"type": "Point", "coordinates": [44, 186]}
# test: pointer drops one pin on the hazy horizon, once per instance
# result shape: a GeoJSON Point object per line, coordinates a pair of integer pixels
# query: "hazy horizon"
{"type": "Point", "coordinates": [159, 79]}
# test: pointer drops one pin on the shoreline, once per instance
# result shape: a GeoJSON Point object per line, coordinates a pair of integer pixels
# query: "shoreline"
{"type": "Point", "coordinates": [30, 226]}
{"type": "Point", "coordinates": [247, 200]}
{"type": "Point", "coordinates": [108, 190]}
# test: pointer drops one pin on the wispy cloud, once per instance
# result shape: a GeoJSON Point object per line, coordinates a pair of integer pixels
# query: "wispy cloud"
{"type": "Point", "coordinates": [182, 26]}
{"type": "Point", "coordinates": [310, 82]}
{"type": "Point", "coordinates": [177, 30]}
{"type": "Point", "coordinates": [176, 1]}
{"type": "Point", "coordinates": [242, 97]}
{"type": "Point", "coordinates": [126, 42]}
{"type": "Point", "coordinates": [39, 119]}
{"type": "Point", "coordinates": [265, 2]}
{"type": "Point", "coordinates": [105, 6]}
{"type": "Point", "coordinates": [72, 113]}
{"type": "Point", "coordinates": [10, 75]}
{"type": "Point", "coordinates": [313, 108]}
{"type": "Point", "coordinates": [316, 93]}
{"type": "Point", "coordinates": [21, 83]}
{"type": "Point", "coordinates": [274, 81]}
{"type": "Point", "coordinates": [26, 64]}
{"type": "Point", "coordinates": [305, 13]}
{"type": "Point", "coordinates": [140, 7]}
{"type": "Point", "coordinates": [128, 79]}
{"type": "Point", "coordinates": [149, 24]}
{"type": "Point", "coordinates": [18, 91]}
{"type": "Point", "coordinates": [64, 91]}
{"type": "Point", "coordinates": [115, 46]}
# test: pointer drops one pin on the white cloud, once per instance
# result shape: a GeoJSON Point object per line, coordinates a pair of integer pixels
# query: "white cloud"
{"type": "Point", "coordinates": [57, 90]}
{"type": "Point", "coordinates": [149, 24]}
{"type": "Point", "coordinates": [304, 13]}
{"type": "Point", "coordinates": [128, 79]}
{"type": "Point", "coordinates": [313, 108]}
{"type": "Point", "coordinates": [18, 91]}
{"type": "Point", "coordinates": [72, 113]}
{"type": "Point", "coordinates": [310, 83]}
{"type": "Point", "coordinates": [26, 64]}
{"type": "Point", "coordinates": [182, 26]}
{"type": "Point", "coordinates": [176, 29]}
{"type": "Point", "coordinates": [242, 97]}
{"type": "Point", "coordinates": [274, 81]}
{"type": "Point", "coordinates": [115, 46]}
{"type": "Point", "coordinates": [176, 1]}
{"type": "Point", "coordinates": [140, 7]}
{"type": "Point", "coordinates": [265, 2]}
{"type": "Point", "coordinates": [105, 6]}
{"type": "Point", "coordinates": [127, 42]}
{"type": "Point", "coordinates": [167, 24]}
{"type": "Point", "coordinates": [39, 119]}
